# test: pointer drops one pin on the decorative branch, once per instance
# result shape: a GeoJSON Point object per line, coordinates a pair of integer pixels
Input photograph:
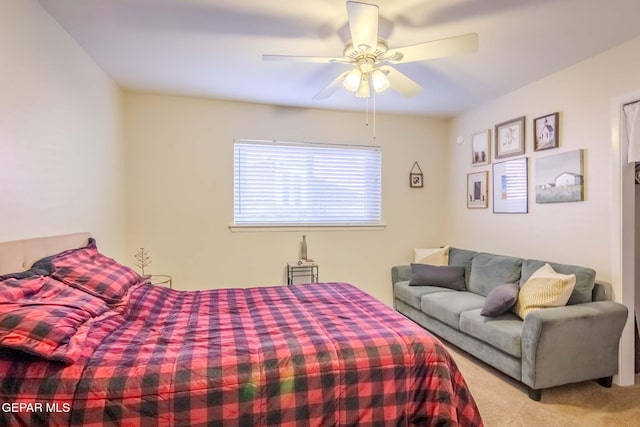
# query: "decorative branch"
{"type": "Point", "coordinates": [142, 259]}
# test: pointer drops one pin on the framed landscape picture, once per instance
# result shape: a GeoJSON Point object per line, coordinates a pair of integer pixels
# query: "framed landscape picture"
{"type": "Point", "coordinates": [510, 186]}
{"type": "Point", "coordinates": [480, 148]}
{"type": "Point", "coordinates": [477, 196]}
{"type": "Point", "coordinates": [545, 132]}
{"type": "Point", "coordinates": [560, 177]}
{"type": "Point", "coordinates": [509, 138]}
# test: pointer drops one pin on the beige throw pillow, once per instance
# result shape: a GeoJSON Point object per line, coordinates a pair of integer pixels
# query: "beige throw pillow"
{"type": "Point", "coordinates": [432, 256]}
{"type": "Point", "coordinates": [545, 288]}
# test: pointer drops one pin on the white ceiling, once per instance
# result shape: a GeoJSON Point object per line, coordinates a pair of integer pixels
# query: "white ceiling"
{"type": "Point", "coordinates": [213, 48]}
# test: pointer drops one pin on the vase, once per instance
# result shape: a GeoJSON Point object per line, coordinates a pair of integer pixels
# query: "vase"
{"type": "Point", "coordinates": [303, 248]}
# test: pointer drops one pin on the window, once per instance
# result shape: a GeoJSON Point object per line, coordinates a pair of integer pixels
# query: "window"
{"type": "Point", "coordinates": [280, 183]}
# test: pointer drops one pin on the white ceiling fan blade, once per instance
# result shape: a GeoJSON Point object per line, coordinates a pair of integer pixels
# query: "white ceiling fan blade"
{"type": "Point", "coordinates": [401, 83]}
{"type": "Point", "coordinates": [363, 22]}
{"type": "Point", "coordinates": [434, 49]}
{"type": "Point", "coordinates": [331, 87]}
{"type": "Point", "coordinates": [294, 58]}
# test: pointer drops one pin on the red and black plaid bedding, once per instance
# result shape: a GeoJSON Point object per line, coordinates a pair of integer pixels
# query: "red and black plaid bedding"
{"type": "Point", "coordinates": [310, 355]}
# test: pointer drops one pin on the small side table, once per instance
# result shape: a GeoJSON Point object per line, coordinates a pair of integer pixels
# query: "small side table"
{"type": "Point", "coordinates": [160, 279]}
{"type": "Point", "coordinates": [308, 269]}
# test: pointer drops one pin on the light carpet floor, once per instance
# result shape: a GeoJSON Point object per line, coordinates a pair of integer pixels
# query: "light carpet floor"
{"type": "Point", "coordinates": [503, 401]}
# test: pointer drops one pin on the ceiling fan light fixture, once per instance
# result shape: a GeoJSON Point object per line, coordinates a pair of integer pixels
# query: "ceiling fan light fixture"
{"type": "Point", "coordinates": [380, 81]}
{"type": "Point", "coordinates": [363, 90]}
{"type": "Point", "coordinates": [352, 80]}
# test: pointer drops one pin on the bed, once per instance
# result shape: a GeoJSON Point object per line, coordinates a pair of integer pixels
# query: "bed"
{"type": "Point", "coordinates": [86, 341]}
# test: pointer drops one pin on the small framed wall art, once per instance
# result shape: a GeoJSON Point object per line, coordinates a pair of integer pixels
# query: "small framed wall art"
{"type": "Point", "coordinates": [545, 132]}
{"type": "Point", "coordinates": [509, 138]}
{"type": "Point", "coordinates": [511, 186]}
{"type": "Point", "coordinates": [480, 148]}
{"type": "Point", "coordinates": [415, 176]}
{"type": "Point", "coordinates": [477, 196]}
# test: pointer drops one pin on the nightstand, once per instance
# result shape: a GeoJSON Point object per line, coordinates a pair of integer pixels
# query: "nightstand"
{"type": "Point", "coordinates": [308, 270]}
{"type": "Point", "coordinates": [160, 279]}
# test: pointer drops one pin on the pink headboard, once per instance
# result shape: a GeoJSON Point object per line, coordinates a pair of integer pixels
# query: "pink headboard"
{"type": "Point", "coordinates": [19, 255]}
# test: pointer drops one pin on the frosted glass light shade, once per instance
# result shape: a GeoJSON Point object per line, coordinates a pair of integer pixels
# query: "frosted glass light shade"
{"type": "Point", "coordinates": [352, 80]}
{"type": "Point", "coordinates": [379, 80]}
{"type": "Point", "coordinates": [363, 90]}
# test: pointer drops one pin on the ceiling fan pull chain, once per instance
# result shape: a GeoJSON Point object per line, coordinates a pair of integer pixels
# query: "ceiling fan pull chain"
{"type": "Point", "coordinates": [366, 112]}
{"type": "Point", "coordinates": [374, 114]}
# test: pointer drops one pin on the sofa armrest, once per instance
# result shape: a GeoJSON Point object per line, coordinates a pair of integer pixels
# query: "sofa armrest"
{"type": "Point", "coordinates": [579, 342]}
{"type": "Point", "coordinates": [400, 273]}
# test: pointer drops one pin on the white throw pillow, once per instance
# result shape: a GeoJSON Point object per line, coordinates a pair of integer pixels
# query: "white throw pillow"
{"type": "Point", "coordinates": [432, 256]}
{"type": "Point", "coordinates": [545, 288]}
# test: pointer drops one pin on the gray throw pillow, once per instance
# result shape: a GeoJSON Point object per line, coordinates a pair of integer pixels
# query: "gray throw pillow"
{"type": "Point", "coordinates": [500, 300]}
{"type": "Point", "coordinates": [432, 275]}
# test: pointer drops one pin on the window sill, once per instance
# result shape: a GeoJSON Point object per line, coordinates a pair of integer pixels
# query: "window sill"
{"type": "Point", "coordinates": [235, 228]}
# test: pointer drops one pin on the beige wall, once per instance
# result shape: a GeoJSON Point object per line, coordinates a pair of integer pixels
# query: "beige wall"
{"type": "Point", "coordinates": [581, 232]}
{"type": "Point", "coordinates": [180, 192]}
{"type": "Point", "coordinates": [61, 147]}
{"type": "Point", "coordinates": [578, 232]}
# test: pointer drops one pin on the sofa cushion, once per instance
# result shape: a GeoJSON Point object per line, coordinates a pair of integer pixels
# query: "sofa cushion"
{"type": "Point", "coordinates": [412, 295]}
{"type": "Point", "coordinates": [462, 258]}
{"type": "Point", "coordinates": [503, 332]}
{"type": "Point", "coordinates": [500, 300]}
{"type": "Point", "coordinates": [489, 271]}
{"type": "Point", "coordinates": [433, 275]}
{"type": "Point", "coordinates": [447, 306]}
{"type": "Point", "coordinates": [545, 288]}
{"type": "Point", "coordinates": [432, 256]}
{"type": "Point", "coordinates": [585, 278]}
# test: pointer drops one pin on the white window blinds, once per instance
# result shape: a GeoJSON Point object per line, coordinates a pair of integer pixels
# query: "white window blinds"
{"type": "Point", "coordinates": [279, 183]}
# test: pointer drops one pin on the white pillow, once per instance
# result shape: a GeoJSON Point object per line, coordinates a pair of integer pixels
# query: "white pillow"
{"type": "Point", "coordinates": [432, 256]}
{"type": "Point", "coordinates": [545, 288]}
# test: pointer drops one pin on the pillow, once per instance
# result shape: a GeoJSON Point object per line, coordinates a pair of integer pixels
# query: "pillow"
{"type": "Point", "coordinates": [63, 295]}
{"type": "Point", "coordinates": [102, 277]}
{"type": "Point", "coordinates": [500, 300]}
{"type": "Point", "coordinates": [90, 271]}
{"type": "Point", "coordinates": [14, 289]}
{"type": "Point", "coordinates": [544, 288]}
{"type": "Point", "coordinates": [70, 256]}
{"type": "Point", "coordinates": [432, 275]}
{"type": "Point", "coordinates": [585, 278]}
{"type": "Point", "coordinates": [435, 256]}
{"type": "Point", "coordinates": [43, 330]}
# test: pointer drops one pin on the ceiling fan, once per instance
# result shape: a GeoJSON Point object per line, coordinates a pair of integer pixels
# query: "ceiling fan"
{"type": "Point", "coordinates": [371, 58]}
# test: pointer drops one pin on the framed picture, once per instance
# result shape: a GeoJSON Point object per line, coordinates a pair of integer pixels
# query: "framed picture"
{"type": "Point", "coordinates": [415, 176]}
{"type": "Point", "coordinates": [480, 152]}
{"type": "Point", "coordinates": [477, 196]}
{"type": "Point", "coordinates": [509, 138]}
{"type": "Point", "coordinates": [510, 186]}
{"type": "Point", "coordinates": [560, 177]}
{"type": "Point", "coordinates": [415, 180]}
{"type": "Point", "coordinates": [545, 132]}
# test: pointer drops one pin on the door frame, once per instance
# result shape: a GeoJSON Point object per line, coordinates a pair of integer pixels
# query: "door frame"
{"type": "Point", "coordinates": [623, 235]}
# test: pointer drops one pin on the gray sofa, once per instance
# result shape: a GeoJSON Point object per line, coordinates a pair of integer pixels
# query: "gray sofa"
{"type": "Point", "coordinates": [550, 347]}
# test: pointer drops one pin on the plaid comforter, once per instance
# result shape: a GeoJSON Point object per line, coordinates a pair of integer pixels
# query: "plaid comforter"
{"type": "Point", "coordinates": [310, 355]}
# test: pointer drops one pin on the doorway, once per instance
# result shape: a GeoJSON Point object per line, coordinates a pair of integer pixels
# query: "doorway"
{"type": "Point", "coordinates": [623, 234]}
{"type": "Point", "coordinates": [631, 128]}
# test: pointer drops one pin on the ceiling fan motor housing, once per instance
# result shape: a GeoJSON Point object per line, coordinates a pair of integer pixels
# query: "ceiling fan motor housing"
{"type": "Point", "coordinates": [358, 53]}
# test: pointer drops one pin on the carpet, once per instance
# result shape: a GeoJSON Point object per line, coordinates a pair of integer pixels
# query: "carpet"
{"type": "Point", "coordinates": [502, 401]}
